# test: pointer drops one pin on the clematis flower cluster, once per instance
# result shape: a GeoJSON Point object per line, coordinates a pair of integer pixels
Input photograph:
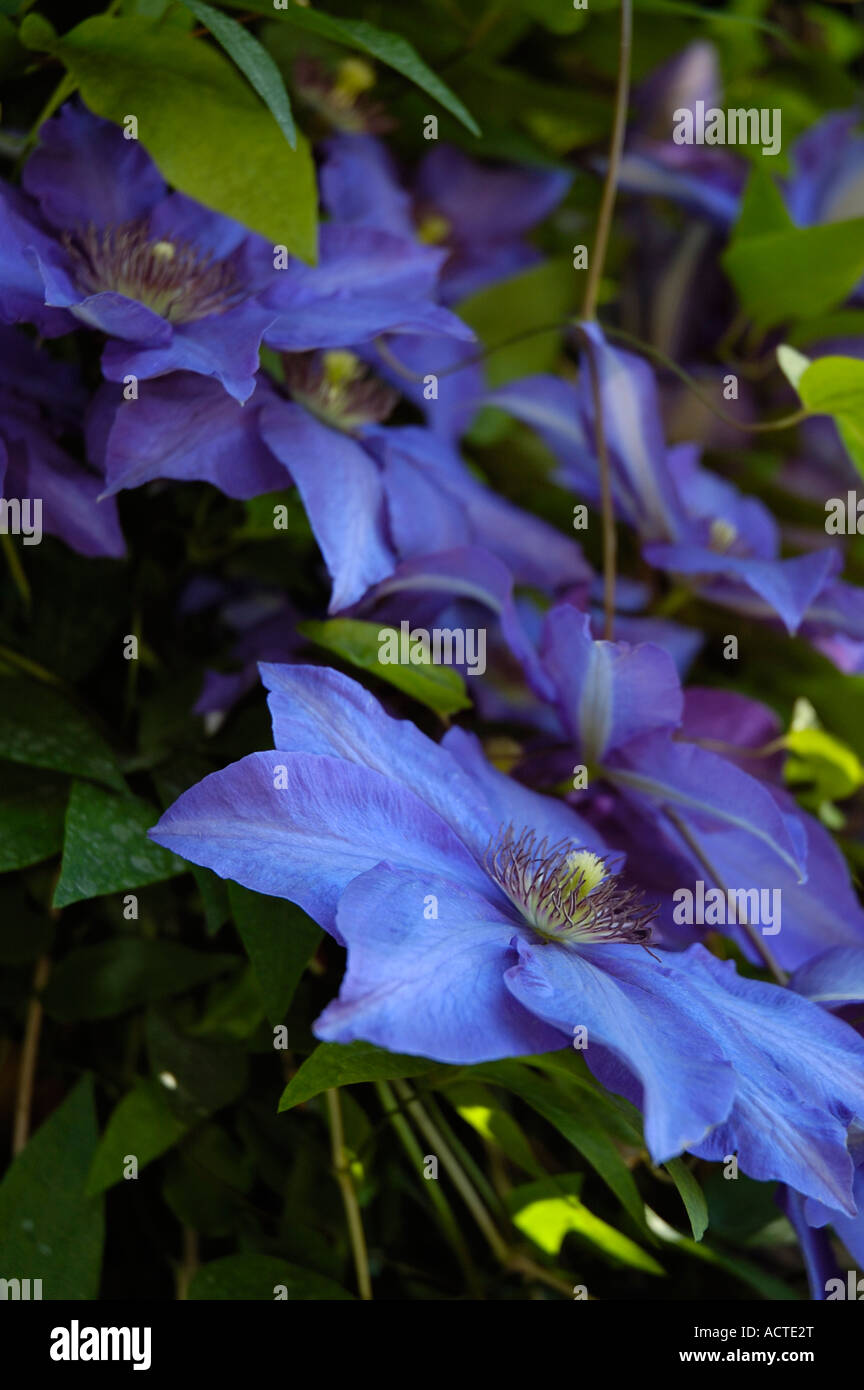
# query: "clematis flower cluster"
{"type": "Point", "coordinates": [488, 907]}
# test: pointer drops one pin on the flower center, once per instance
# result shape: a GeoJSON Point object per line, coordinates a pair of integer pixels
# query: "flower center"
{"type": "Point", "coordinates": [433, 228]}
{"type": "Point", "coordinates": [338, 388]}
{"type": "Point", "coordinates": [173, 278]}
{"type": "Point", "coordinates": [723, 535]}
{"type": "Point", "coordinates": [567, 894]}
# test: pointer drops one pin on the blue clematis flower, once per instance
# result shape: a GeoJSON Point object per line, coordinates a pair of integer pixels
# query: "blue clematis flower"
{"type": "Point", "coordinates": [483, 920]}
{"type": "Point", "coordinates": [478, 214]}
{"type": "Point", "coordinates": [40, 401]}
{"type": "Point", "coordinates": [826, 165]}
{"type": "Point", "coordinates": [99, 239]}
{"type": "Point", "coordinates": [374, 496]}
{"type": "Point", "coordinates": [680, 782]}
{"type": "Point", "coordinates": [692, 523]}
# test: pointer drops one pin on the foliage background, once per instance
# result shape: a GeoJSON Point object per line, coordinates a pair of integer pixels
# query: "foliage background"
{"type": "Point", "coordinates": [234, 1195]}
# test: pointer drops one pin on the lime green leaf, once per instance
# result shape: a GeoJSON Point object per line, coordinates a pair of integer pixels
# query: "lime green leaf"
{"type": "Point", "coordinates": [477, 1106]}
{"type": "Point", "coordinates": [262, 1277]}
{"type": "Point", "coordinates": [824, 763]}
{"type": "Point", "coordinates": [106, 980]}
{"type": "Point", "coordinates": [390, 49]}
{"type": "Point", "coordinates": [338, 1064]}
{"type": "Point", "coordinates": [253, 61]}
{"type": "Point", "coordinates": [797, 272]}
{"type": "Point", "coordinates": [49, 1228]}
{"type": "Point", "coordinates": [106, 849]}
{"type": "Point", "coordinates": [143, 1126]}
{"type": "Point", "coordinates": [440, 688]}
{"type": "Point", "coordinates": [835, 386]}
{"type": "Point", "coordinates": [31, 816]}
{"type": "Point", "coordinates": [208, 133]}
{"type": "Point", "coordinates": [691, 1195]}
{"type": "Point", "coordinates": [279, 940]}
{"type": "Point", "coordinates": [546, 1211]}
{"type": "Point", "coordinates": [40, 728]}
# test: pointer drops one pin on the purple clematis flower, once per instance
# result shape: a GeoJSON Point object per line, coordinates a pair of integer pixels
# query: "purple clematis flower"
{"type": "Point", "coordinates": [40, 400]}
{"type": "Point", "coordinates": [99, 239]}
{"type": "Point", "coordinates": [826, 178]}
{"type": "Point", "coordinates": [479, 214]}
{"type": "Point", "coordinates": [692, 523]}
{"type": "Point", "coordinates": [374, 496]}
{"type": "Point", "coordinates": [682, 784]}
{"type": "Point", "coordinates": [482, 921]}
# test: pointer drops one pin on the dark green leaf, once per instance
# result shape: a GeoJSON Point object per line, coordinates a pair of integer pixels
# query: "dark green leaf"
{"type": "Point", "coordinates": [143, 1126]}
{"type": "Point", "coordinates": [40, 728]}
{"type": "Point", "coordinates": [253, 61]}
{"type": "Point", "coordinates": [32, 804]}
{"type": "Point", "coordinates": [390, 49]}
{"type": "Point", "coordinates": [105, 847]}
{"type": "Point", "coordinates": [124, 973]}
{"type": "Point", "coordinates": [245, 1277]}
{"type": "Point", "coordinates": [337, 1064]}
{"type": "Point", "coordinates": [691, 1195]}
{"type": "Point", "coordinates": [279, 940]}
{"type": "Point", "coordinates": [49, 1228]}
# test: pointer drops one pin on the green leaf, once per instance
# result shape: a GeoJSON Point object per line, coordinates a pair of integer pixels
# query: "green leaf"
{"type": "Point", "coordinates": [31, 816]}
{"type": "Point", "coordinates": [106, 849]}
{"type": "Point", "coordinates": [835, 386]}
{"type": "Point", "coordinates": [279, 939]}
{"type": "Point", "coordinates": [691, 1195]}
{"type": "Point", "coordinates": [49, 1228]}
{"type": "Point", "coordinates": [440, 688]}
{"type": "Point", "coordinates": [791, 273]}
{"type": "Point", "coordinates": [200, 1074]}
{"type": "Point", "coordinates": [207, 132]}
{"type": "Point", "coordinates": [143, 1125]}
{"type": "Point", "coordinates": [262, 1277]}
{"type": "Point", "coordinates": [519, 308]}
{"type": "Point", "coordinates": [253, 61]}
{"type": "Point", "coordinates": [124, 973]}
{"type": "Point", "coordinates": [390, 49]}
{"type": "Point", "coordinates": [477, 1107]}
{"type": "Point", "coordinates": [763, 210]}
{"type": "Point", "coordinates": [548, 1210]}
{"type": "Point", "coordinates": [765, 1284]}
{"type": "Point", "coordinates": [572, 1116]}
{"type": "Point", "coordinates": [40, 728]}
{"type": "Point", "coordinates": [338, 1064]}
{"type": "Point", "coordinates": [823, 763]}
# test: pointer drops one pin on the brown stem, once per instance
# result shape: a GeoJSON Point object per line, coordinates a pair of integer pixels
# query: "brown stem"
{"type": "Point", "coordinates": [29, 1055]}
{"type": "Point", "coordinates": [610, 184]}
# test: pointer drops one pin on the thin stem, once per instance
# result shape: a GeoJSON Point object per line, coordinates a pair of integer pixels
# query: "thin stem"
{"type": "Point", "coordinates": [65, 87]}
{"type": "Point", "coordinates": [610, 184]}
{"type": "Point", "coordinates": [757, 942]}
{"type": "Point", "coordinates": [449, 1224]}
{"type": "Point", "coordinates": [189, 1263]}
{"type": "Point", "coordinates": [785, 422]}
{"type": "Point", "coordinates": [29, 1055]}
{"type": "Point", "coordinates": [486, 1225]}
{"type": "Point", "coordinates": [419, 377]}
{"type": "Point", "coordinates": [610, 539]}
{"type": "Point", "coordinates": [513, 1260]}
{"type": "Point", "coordinates": [342, 1170]}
